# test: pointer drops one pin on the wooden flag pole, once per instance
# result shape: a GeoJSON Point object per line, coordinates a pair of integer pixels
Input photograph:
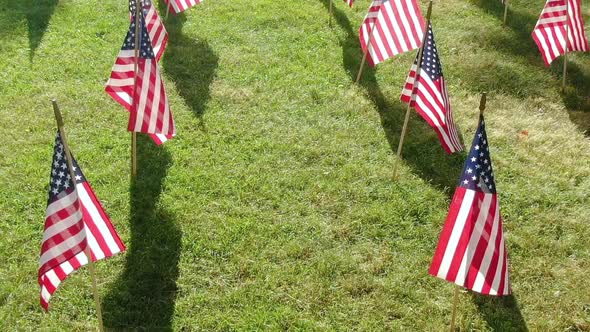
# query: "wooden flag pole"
{"type": "Point", "coordinates": [418, 69]}
{"type": "Point", "coordinates": [401, 141]}
{"type": "Point", "coordinates": [567, 42]}
{"type": "Point", "coordinates": [167, 12]}
{"type": "Point", "coordinates": [134, 134]}
{"type": "Point", "coordinates": [505, 10]}
{"type": "Point", "coordinates": [331, 11]}
{"type": "Point", "coordinates": [482, 103]}
{"type": "Point", "coordinates": [358, 76]}
{"type": "Point", "coordinates": [454, 314]}
{"type": "Point", "coordinates": [60, 127]}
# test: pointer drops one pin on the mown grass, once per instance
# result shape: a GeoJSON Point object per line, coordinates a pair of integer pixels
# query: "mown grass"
{"type": "Point", "coordinates": [274, 208]}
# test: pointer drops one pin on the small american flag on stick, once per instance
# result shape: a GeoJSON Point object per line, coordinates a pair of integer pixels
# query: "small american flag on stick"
{"type": "Point", "coordinates": [75, 223]}
{"type": "Point", "coordinates": [391, 27]}
{"type": "Point", "coordinates": [178, 6]}
{"type": "Point", "coordinates": [471, 251]}
{"type": "Point", "coordinates": [426, 91]}
{"type": "Point", "coordinates": [159, 39]}
{"type": "Point", "coordinates": [349, 3]}
{"type": "Point", "coordinates": [141, 92]}
{"type": "Point", "coordinates": [550, 32]}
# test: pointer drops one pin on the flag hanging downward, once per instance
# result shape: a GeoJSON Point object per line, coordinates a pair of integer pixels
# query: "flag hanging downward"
{"type": "Point", "coordinates": [159, 39]}
{"type": "Point", "coordinates": [428, 95]}
{"type": "Point", "coordinates": [349, 2]}
{"type": "Point", "coordinates": [549, 33]}
{"type": "Point", "coordinates": [179, 6]}
{"type": "Point", "coordinates": [74, 221]}
{"type": "Point", "coordinates": [471, 251]}
{"type": "Point", "coordinates": [142, 94]}
{"type": "Point", "coordinates": [397, 25]}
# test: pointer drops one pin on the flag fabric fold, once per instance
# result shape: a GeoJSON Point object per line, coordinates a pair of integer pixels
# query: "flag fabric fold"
{"type": "Point", "coordinates": [155, 27]}
{"type": "Point", "coordinates": [120, 84]}
{"type": "Point", "coordinates": [550, 31]}
{"type": "Point", "coordinates": [142, 93]}
{"type": "Point", "coordinates": [471, 251]}
{"type": "Point", "coordinates": [75, 222]}
{"type": "Point", "coordinates": [427, 93]}
{"type": "Point", "coordinates": [178, 6]}
{"type": "Point", "coordinates": [349, 3]}
{"type": "Point", "coordinates": [397, 25]}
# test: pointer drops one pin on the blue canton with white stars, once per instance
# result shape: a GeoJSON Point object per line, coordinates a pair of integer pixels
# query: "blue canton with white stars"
{"type": "Point", "coordinates": [145, 5]}
{"type": "Point", "coordinates": [430, 60]}
{"type": "Point", "coordinates": [145, 45]}
{"type": "Point", "coordinates": [61, 180]}
{"type": "Point", "coordinates": [478, 173]}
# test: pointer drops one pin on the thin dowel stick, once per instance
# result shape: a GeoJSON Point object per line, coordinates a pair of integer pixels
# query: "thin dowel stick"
{"type": "Point", "coordinates": [454, 314]}
{"type": "Point", "coordinates": [401, 142]}
{"type": "Point", "coordinates": [505, 10]}
{"type": "Point", "coordinates": [367, 50]}
{"type": "Point", "coordinates": [60, 127]}
{"type": "Point", "coordinates": [567, 42]}
{"type": "Point", "coordinates": [416, 82]}
{"type": "Point", "coordinates": [95, 289]}
{"type": "Point", "coordinates": [482, 103]}
{"type": "Point", "coordinates": [167, 11]}
{"type": "Point", "coordinates": [331, 11]}
{"type": "Point", "coordinates": [136, 56]}
{"type": "Point", "coordinates": [133, 154]}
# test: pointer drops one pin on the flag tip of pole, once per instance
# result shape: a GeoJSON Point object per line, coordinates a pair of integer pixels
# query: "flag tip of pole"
{"type": "Point", "coordinates": [482, 102]}
{"type": "Point", "coordinates": [429, 12]}
{"type": "Point", "coordinates": [58, 118]}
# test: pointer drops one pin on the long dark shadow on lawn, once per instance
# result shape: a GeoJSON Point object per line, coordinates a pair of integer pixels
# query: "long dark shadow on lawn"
{"type": "Point", "coordinates": [191, 64]}
{"type": "Point", "coordinates": [143, 297]}
{"type": "Point", "coordinates": [501, 313]}
{"type": "Point", "coordinates": [422, 150]}
{"type": "Point", "coordinates": [576, 96]}
{"type": "Point", "coordinates": [36, 12]}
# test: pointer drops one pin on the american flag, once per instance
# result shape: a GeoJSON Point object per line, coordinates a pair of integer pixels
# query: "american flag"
{"type": "Point", "coordinates": [549, 33]}
{"type": "Point", "coordinates": [349, 2]}
{"type": "Point", "coordinates": [471, 251]}
{"type": "Point", "coordinates": [428, 95]}
{"type": "Point", "coordinates": [397, 25]}
{"type": "Point", "coordinates": [148, 104]}
{"type": "Point", "coordinates": [179, 6]}
{"type": "Point", "coordinates": [74, 221]}
{"type": "Point", "coordinates": [159, 39]}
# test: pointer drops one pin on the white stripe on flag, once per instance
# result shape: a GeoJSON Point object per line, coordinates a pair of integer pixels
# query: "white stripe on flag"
{"type": "Point", "coordinates": [489, 253]}
{"type": "Point", "coordinates": [456, 233]}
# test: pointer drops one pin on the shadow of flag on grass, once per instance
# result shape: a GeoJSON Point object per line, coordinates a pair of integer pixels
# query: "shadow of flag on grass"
{"type": "Point", "coordinates": [37, 14]}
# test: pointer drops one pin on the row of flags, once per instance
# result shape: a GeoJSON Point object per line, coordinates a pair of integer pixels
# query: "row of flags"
{"type": "Point", "coordinates": [76, 226]}
{"type": "Point", "coordinates": [471, 251]}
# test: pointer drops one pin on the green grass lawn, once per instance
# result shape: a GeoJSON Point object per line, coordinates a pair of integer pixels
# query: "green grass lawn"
{"type": "Point", "coordinates": [274, 208]}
